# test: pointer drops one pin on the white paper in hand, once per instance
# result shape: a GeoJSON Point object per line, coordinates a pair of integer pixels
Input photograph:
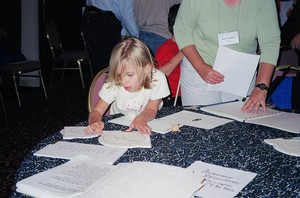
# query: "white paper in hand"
{"type": "Point", "coordinates": [237, 67]}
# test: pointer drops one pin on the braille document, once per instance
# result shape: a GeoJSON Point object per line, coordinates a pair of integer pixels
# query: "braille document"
{"type": "Point", "coordinates": [76, 132]}
{"type": "Point", "coordinates": [272, 118]}
{"type": "Point", "coordinates": [67, 180]}
{"type": "Point", "coordinates": [238, 68]}
{"type": "Point", "coordinates": [124, 139]}
{"type": "Point", "coordinates": [69, 150]}
{"type": "Point", "coordinates": [289, 146]}
{"type": "Point", "coordinates": [145, 180]}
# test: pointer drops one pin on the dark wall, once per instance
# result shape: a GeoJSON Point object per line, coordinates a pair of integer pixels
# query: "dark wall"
{"type": "Point", "coordinates": [10, 21]}
{"type": "Point", "coordinates": [65, 13]}
{"type": "Point", "coordinates": [67, 16]}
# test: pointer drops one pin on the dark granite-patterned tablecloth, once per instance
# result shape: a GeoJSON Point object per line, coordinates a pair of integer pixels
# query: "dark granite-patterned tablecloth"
{"type": "Point", "coordinates": [235, 145]}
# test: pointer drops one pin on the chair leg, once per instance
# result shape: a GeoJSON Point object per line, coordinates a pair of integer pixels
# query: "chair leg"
{"type": "Point", "coordinates": [3, 105]}
{"type": "Point", "coordinates": [80, 72]}
{"type": "Point", "coordinates": [91, 69]}
{"type": "Point", "coordinates": [42, 81]}
{"type": "Point", "coordinates": [52, 73]}
{"type": "Point", "coordinates": [63, 72]}
{"type": "Point", "coordinates": [16, 89]}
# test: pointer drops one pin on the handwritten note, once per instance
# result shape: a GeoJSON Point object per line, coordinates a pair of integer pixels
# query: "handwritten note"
{"type": "Point", "coordinates": [221, 181]}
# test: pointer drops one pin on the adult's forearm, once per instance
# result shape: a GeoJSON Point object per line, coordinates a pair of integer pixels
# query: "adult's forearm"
{"type": "Point", "coordinates": [265, 73]}
{"type": "Point", "coordinates": [169, 67]}
{"type": "Point", "coordinates": [191, 53]}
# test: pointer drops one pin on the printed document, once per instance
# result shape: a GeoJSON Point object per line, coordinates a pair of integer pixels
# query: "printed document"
{"type": "Point", "coordinates": [69, 150]}
{"type": "Point", "coordinates": [65, 181]}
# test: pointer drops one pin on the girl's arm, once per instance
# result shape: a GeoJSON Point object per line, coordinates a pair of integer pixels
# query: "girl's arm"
{"type": "Point", "coordinates": [95, 117]}
{"type": "Point", "coordinates": [149, 113]}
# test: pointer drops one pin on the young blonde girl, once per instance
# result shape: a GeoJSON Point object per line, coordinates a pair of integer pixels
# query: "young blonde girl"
{"type": "Point", "coordinates": [134, 87]}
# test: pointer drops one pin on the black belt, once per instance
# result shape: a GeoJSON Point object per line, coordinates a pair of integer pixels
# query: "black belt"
{"type": "Point", "coordinates": [94, 10]}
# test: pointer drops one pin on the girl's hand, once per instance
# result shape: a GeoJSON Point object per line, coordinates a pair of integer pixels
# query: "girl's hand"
{"type": "Point", "coordinates": [95, 127]}
{"type": "Point", "coordinates": [140, 124]}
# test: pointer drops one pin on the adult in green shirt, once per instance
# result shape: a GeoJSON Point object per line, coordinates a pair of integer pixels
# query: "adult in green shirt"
{"type": "Point", "coordinates": [197, 27]}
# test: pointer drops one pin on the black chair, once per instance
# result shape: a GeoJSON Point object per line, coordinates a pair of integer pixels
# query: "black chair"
{"type": "Point", "coordinates": [16, 69]}
{"type": "Point", "coordinates": [65, 60]}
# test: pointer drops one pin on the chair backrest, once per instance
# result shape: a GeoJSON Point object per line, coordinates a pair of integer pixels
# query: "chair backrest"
{"type": "Point", "coordinates": [95, 87]}
{"type": "Point", "coordinates": [287, 57]}
{"type": "Point", "coordinates": [53, 39]}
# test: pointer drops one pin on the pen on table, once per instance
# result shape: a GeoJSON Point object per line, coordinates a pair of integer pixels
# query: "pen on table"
{"type": "Point", "coordinates": [197, 119]}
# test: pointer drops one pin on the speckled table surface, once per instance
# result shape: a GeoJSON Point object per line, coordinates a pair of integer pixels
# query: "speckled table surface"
{"type": "Point", "coordinates": [235, 145]}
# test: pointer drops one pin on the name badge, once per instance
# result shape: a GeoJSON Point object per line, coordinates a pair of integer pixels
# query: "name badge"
{"type": "Point", "coordinates": [228, 38]}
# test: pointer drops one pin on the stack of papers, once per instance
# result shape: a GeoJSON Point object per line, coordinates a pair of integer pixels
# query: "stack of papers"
{"type": "Point", "coordinates": [84, 177]}
{"type": "Point", "coordinates": [67, 180]}
{"type": "Point", "coordinates": [145, 180]}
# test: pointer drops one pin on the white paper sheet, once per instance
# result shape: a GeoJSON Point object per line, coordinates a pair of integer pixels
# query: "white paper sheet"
{"type": "Point", "coordinates": [69, 150]}
{"type": "Point", "coordinates": [157, 125]}
{"type": "Point", "coordinates": [165, 124]}
{"type": "Point", "coordinates": [194, 119]}
{"type": "Point", "coordinates": [220, 181]}
{"type": "Point", "coordinates": [238, 68]}
{"type": "Point", "coordinates": [66, 180]}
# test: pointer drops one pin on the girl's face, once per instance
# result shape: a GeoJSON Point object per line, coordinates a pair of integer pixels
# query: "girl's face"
{"type": "Point", "coordinates": [130, 79]}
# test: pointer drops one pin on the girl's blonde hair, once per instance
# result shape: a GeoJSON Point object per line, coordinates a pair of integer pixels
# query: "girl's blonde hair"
{"type": "Point", "coordinates": [131, 51]}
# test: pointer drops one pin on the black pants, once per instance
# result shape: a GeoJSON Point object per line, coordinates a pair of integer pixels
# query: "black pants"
{"type": "Point", "coordinates": [101, 31]}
